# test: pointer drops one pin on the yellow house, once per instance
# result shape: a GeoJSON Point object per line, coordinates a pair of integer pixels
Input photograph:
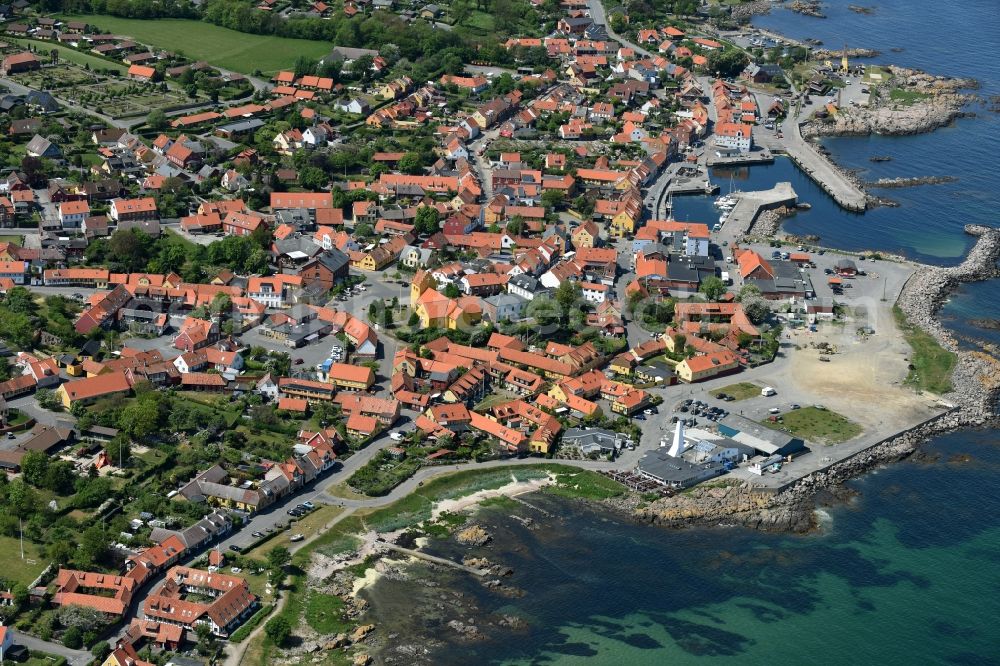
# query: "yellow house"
{"type": "Point", "coordinates": [622, 364]}
{"type": "Point", "coordinates": [698, 368]}
{"type": "Point", "coordinates": [436, 310]}
{"type": "Point", "coordinates": [422, 281]}
{"type": "Point", "coordinates": [557, 393]}
{"type": "Point", "coordinates": [585, 235]}
{"type": "Point", "coordinates": [623, 223]}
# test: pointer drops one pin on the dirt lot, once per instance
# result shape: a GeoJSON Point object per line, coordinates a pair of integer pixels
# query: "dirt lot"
{"type": "Point", "coordinates": [863, 379]}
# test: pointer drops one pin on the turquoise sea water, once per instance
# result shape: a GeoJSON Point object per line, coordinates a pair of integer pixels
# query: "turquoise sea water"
{"type": "Point", "coordinates": [905, 573]}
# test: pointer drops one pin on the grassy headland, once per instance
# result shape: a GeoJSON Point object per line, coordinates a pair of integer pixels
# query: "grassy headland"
{"type": "Point", "coordinates": [931, 364]}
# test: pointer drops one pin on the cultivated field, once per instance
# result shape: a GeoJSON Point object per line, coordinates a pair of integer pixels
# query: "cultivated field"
{"type": "Point", "coordinates": [240, 52]}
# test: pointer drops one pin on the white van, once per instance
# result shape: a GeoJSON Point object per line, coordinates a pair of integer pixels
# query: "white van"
{"type": "Point", "coordinates": [396, 436]}
{"type": "Point", "coordinates": [767, 392]}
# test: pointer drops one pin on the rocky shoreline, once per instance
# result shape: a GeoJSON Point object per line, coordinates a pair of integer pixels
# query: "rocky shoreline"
{"type": "Point", "coordinates": [925, 103]}
{"type": "Point", "coordinates": [975, 396]}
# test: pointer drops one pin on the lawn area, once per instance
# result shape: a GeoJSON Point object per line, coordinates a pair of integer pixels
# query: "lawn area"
{"type": "Point", "coordinates": [585, 484]}
{"type": "Point", "coordinates": [307, 526]}
{"type": "Point", "coordinates": [325, 613]}
{"type": "Point", "coordinates": [740, 391]}
{"type": "Point", "coordinates": [875, 74]}
{"type": "Point", "coordinates": [931, 364]}
{"type": "Point", "coordinates": [238, 51]}
{"type": "Point", "coordinates": [15, 569]}
{"type": "Point", "coordinates": [12, 239]}
{"type": "Point", "coordinates": [906, 96]}
{"type": "Point", "coordinates": [817, 425]}
{"type": "Point", "coordinates": [497, 398]}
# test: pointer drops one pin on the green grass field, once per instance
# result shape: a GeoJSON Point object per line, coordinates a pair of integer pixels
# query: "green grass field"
{"type": "Point", "coordinates": [931, 364]}
{"type": "Point", "coordinates": [238, 51]}
{"type": "Point", "coordinates": [17, 570]}
{"type": "Point", "coordinates": [740, 391]}
{"type": "Point", "coordinates": [817, 425]}
{"type": "Point", "coordinates": [906, 97]}
{"type": "Point", "coordinates": [7, 238]}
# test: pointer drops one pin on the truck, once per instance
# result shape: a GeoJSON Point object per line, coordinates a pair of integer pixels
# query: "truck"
{"type": "Point", "coordinates": [725, 278]}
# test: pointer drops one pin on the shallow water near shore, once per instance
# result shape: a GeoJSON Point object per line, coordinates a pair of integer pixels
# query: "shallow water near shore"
{"type": "Point", "coordinates": [902, 574]}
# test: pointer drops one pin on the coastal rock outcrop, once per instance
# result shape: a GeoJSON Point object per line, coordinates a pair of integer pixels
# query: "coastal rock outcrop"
{"type": "Point", "coordinates": [908, 102]}
{"type": "Point", "coordinates": [895, 183]}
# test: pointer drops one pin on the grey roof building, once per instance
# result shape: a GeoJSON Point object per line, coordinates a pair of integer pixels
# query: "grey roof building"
{"type": "Point", "coordinates": [594, 440]}
{"type": "Point", "coordinates": [763, 439]}
{"type": "Point", "coordinates": [657, 465]}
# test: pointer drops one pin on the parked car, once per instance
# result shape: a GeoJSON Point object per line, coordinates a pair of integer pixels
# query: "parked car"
{"type": "Point", "coordinates": [796, 406]}
{"type": "Point", "coordinates": [297, 361]}
{"type": "Point", "coordinates": [257, 535]}
{"type": "Point", "coordinates": [296, 537]}
{"type": "Point", "coordinates": [233, 547]}
{"type": "Point", "coordinates": [309, 505]}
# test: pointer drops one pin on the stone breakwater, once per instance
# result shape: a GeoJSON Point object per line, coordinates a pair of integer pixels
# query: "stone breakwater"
{"type": "Point", "coordinates": [977, 375]}
{"type": "Point", "coordinates": [747, 10]}
{"type": "Point", "coordinates": [977, 388]}
{"type": "Point", "coordinates": [895, 183]}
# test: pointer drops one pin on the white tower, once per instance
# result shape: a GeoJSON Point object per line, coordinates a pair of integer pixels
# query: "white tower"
{"type": "Point", "coordinates": [677, 447]}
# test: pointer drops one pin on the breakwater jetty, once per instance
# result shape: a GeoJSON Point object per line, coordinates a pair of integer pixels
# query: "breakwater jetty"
{"type": "Point", "coordinates": [977, 375]}
{"type": "Point", "coordinates": [433, 559]}
{"type": "Point", "coordinates": [824, 173]}
{"type": "Point", "coordinates": [751, 204]}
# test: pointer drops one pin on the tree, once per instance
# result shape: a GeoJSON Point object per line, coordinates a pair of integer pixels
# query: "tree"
{"type": "Point", "coordinates": [756, 308]}
{"type": "Point", "coordinates": [278, 557]}
{"type": "Point", "coordinates": [73, 638]}
{"type": "Point", "coordinates": [313, 178]}
{"type": "Point", "coordinates": [427, 220]}
{"type": "Point", "coordinates": [278, 629]}
{"type": "Point", "coordinates": [413, 320]}
{"type": "Point", "coordinates": [102, 650]}
{"type": "Point", "coordinates": [20, 300]}
{"type": "Point", "coordinates": [568, 294]}
{"type": "Point", "coordinates": [747, 291]}
{"type": "Point", "coordinates": [713, 288]}
{"type": "Point", "coordinates": [553, 199]}
{"type": "Point", "coordinates": [515, 225]}
{"type": "Point", "coordinates": [461, 10]}
{"type": "Point", "coordinates": [727, 63]}
{"type": "Point", "coordinates": [221, 303]}
{"type": "Point", "coordinates": [410, 163]}
{"type": "Point", "coordinates": [119, 451]}
{"type": "Point", "coordinates": [34, 466]}
{"type": "Point", "coordinates": [93, 545]}
{"type": "Point", "coordinates": [156, 119]}
{"type": "Point", "coordinates": [452, 291]}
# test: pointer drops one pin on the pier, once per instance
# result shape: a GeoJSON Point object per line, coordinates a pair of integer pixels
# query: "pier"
{"type": "Point", "coordinates": [750, 205]}
{"type": "Point", "coordinates": [434, 559]}
{"type": "Point", "coordinates": [845, 192]}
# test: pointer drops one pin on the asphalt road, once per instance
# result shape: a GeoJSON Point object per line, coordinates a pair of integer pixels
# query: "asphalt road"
{"type": "Point", "coordinates": [74, 657]}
